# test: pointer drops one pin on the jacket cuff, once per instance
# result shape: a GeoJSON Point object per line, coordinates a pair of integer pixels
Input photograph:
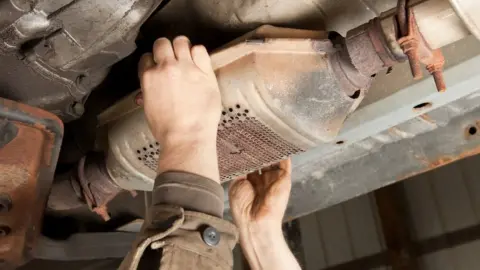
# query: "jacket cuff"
{"type": "Point", "coordinates": [189, 191]}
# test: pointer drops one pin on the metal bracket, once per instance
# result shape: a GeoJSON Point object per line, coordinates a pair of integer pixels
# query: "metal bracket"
{"type": "Point", "coordinates": [417, 49]}
{"type": "Point", "coordinates": [31, 140]}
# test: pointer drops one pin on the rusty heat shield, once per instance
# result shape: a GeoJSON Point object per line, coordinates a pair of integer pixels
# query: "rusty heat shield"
{"type": "Point", "coordinates": [29, 146]}
{"type": "Point", "coordinates": [283, 91]}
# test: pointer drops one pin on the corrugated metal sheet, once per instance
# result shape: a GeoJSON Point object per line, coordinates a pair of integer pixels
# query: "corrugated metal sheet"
{"type": "Point", "coordinates": [341, 233]}
{"type": "Point", "coordinates": [439, 202]}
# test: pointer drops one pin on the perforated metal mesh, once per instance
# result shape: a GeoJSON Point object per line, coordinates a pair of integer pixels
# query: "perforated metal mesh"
{"type": "Point", "coordinates": [148, 155]}
{"type": "Point", "coordinates": [244, 144]}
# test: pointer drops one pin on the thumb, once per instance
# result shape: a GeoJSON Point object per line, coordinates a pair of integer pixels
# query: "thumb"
{"type": "Point", "coordinates": [241, 195]}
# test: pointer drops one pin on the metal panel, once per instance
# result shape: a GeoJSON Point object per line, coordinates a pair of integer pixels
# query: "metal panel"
{"type": "Point", "coordinates": [438, 202]}
{"type": "Point", "coordinates": [313, 251]}
{"type": "Point", "coordinates": [341, 233]}
{"type": "Point", "coordinates": [335, 235]}
{"type": "Point", "coordinates": [366, 237]}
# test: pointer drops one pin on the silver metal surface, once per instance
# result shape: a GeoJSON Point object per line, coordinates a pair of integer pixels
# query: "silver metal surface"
{"type": "Point", "coordinates": [387, 140]}
{"type": "Point", "coordinates": [283, 91]}
{"type": "Point", "coordinates": [54, 52]}
{"type": "Point", "coordinates": [469, 12]}
{"type": "Point", "coordinates": [439, 14]}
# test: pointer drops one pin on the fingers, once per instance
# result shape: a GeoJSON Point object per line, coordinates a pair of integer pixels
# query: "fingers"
{"type": "Point", "coordinates": [286, 165]}
{"type": "Point", "coordinates": [202, 59]}
{"type": "Point", "coordinates": [284, 174]}
{"type": "Point", "coordinates": [181, 47]}
{"type": "Point", "coordinates": [238, 187]}
{"type": "Point", "coordinates": [146, 62]}
{"type": "Point", "coordinates": [163, 51]}
{"type": "Point", "coordinates": [283, 182]}
{"type": "Point", "coordinates": [182, 50]}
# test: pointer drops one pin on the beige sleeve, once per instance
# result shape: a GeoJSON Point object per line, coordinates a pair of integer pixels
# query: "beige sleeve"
{"type": "Point", "coordinates": [186, 230]}
{"type": "Point", "coordinates": [190, 191]}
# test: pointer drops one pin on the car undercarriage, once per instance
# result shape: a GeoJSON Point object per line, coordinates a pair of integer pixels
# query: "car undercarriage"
{"type": "Point", "coordinates": [361, 93]}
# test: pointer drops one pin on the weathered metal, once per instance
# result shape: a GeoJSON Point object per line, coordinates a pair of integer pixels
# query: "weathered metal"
{"type": "Point", "coordinates": [468, 11]}
{"type": "Point", "coordinates": [54, 53]}
{"type": "Point", "coordinates": [88, 183]}
{"type": "Point", "coordinates": [386, 141]}
{"type": "Point", "coordinates": [275, 84]}
{"type": "Point", "coordinates": [369, 47]}
{"type": "Point", "coordinates": [417, 49]}
{"type": "Point", "coordinates": [27, 163]}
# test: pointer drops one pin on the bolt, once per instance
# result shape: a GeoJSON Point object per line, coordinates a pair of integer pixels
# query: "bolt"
{"type": "Point", "coordinates": [409, 45]}
{"type": "Point", "coordinates": [435, 67]}
{"type": "Point", "coordinates": [414, 65]}
{"type": "Point", "coordinates": [439, 81]}
{"type": "Point", "coordinates": [78, 108]}
{"type": "Point", "coordinates": [80, 80]}
{"type": "Point", "coordinates": [4, 230]}
{"type": "Point", "coordinates": [5, 203]}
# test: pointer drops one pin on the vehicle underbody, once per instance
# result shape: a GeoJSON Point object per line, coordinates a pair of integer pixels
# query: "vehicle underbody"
{"type": "Point", "coordinates": [336, 84]}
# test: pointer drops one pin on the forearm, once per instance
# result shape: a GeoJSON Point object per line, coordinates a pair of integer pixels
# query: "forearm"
{"type": "Point", "coordinates": [266, 249]}
{"type": "Point", "coordinates": [188, 175]}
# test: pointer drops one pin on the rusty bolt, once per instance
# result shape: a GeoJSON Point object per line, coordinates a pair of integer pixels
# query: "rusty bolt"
{"type": "Point", "coordinates": [5, 203]}
{"type": "Point", "coordinates": [409, 44]}
{"type": "Point", "coordinates": [439, 81]}
{"type": "Point", "coordinates": [4, 230]}
{"type": "Point", "coordinates": [435, 67]}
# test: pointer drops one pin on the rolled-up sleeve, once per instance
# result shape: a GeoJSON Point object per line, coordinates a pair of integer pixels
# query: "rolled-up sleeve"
{"type": "Point", "coordinates": [185, 228]}
{"type": "Point", "coordinates": [190, 191]}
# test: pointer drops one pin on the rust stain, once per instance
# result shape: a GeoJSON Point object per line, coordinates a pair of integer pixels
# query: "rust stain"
{"type": "Point", "coordinates": [394, 131]}
{"type": "Point", "coordinates": [25, 172]}
{"type": "Point", "coordinates": [12, 176]}
{"type": "Point", "coordinates": [440, 161]}
{"type": "Point", "coordinates": [425, 117]}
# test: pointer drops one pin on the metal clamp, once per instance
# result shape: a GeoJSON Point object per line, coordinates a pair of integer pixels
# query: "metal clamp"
{"type": "Point", "coordinates": [416, 48]}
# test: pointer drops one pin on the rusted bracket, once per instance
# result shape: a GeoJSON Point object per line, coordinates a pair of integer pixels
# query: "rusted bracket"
{"type": "Point", "coordinates": [30, 143]}
{"type": "Point", "coordinates": [97, 187]}
{"type": "Point", "coordinates": [416, 48]}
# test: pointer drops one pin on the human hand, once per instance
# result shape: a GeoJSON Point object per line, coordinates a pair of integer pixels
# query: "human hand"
{"type": "Point", "coordinates": [258, 203]}
{"type": "Point", "coordinates": [261, 199]}
{"type": "Point", "coordinates": [181, 97]}
{"type": "Point", "coordinates": [182, 105]}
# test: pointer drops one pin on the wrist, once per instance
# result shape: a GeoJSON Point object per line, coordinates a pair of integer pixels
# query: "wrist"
{"type": "Point", "coordinates": [257, 234]}
{"type": "Point", "coordinates": [264, 247]}
{"type": "Point", "coordinates": [192, 138]}
{"type": "Point", "coordinates": [190, 154]}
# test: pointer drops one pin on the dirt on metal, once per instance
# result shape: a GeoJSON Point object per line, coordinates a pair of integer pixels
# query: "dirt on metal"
{"type": "Point", "coordinates": [26, 173]}
{"type": "Point", "coordinates": [441, 161]}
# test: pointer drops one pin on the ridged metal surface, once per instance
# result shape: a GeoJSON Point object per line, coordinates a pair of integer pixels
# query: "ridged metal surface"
{"type": "Point", "coordinates": [439, 205]}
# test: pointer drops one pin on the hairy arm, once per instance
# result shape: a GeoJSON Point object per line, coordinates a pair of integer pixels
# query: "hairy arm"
{"type": "Point", "coordinates": [258, 203]}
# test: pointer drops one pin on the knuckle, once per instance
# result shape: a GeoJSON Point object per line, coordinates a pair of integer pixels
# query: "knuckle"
{"type": "Point", "coordinates": [170, 67]}
{"type": "Point", "coordinates": [148, 75]}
